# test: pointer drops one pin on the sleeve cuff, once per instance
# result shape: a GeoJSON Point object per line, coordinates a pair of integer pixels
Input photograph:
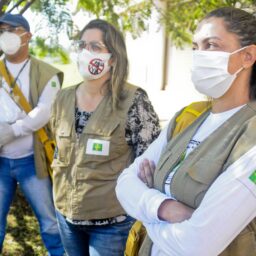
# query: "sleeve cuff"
{"type": "Point", "coordinates": [150, 203]}
{"type": "Point", "coordinates": [17, 128]}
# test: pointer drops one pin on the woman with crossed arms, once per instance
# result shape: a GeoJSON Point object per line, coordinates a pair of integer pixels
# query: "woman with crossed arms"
{"type": "Point", "coordinates": [196, 192]}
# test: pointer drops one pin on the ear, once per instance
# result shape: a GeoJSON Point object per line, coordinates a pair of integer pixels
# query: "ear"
{"type": "Point", "coordinates": [111, 62]}
{"type": "Point", "coordinates": [28, 36]}
{"type": "Point", "coordinates": [249, 56]}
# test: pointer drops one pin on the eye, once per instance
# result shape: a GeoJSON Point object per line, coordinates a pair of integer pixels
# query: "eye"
{"type": "Point", "coordinates": [212, 46]}
{"type": "Point", "coordinates": [10, 29]}
{"type": "Point", "coordinates": [79, 45]}
{"type": "Point", "coordinates": [95, 47]}
{"type": "Point", "coordinates": [194, 46]}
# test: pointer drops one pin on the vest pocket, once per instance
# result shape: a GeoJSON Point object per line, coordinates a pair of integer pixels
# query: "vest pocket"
{"type": "Point", "coordinates": [201, 175]}
{"type": "Point", "coordinates": [63, 150]}
{"type": "Point", "coordinates": [205, 171]}
{"type": "Point", "coordinates": [58, 163]}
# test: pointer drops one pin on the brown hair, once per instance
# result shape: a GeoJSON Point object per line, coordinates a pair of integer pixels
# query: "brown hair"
{"type": "Point", "coordinates": [114, 41]}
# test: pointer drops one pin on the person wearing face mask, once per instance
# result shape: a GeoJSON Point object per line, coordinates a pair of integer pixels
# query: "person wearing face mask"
{"type": "Point", "coordinates": [100, 126]}
{"type": "Point", "coordinates": [22, 159]}
{"type": "Point", "coordinates": [201, 193]}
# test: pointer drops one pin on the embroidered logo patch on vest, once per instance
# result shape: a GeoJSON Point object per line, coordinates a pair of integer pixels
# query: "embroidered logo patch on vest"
{"type": "Point", "coordinates": [253, 177]}
{"type": "Point", "coordinates": [97, 147]}
{"type": "Point", "coordinates": [53, 84]}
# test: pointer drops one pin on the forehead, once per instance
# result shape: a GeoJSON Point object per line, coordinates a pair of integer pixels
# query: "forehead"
{"type": "Point", "coordinates": [214, 28]}
{"type": "Point", "coordinates": [93, 34]}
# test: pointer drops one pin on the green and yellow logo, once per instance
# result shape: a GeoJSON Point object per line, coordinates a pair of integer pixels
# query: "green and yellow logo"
{"type": "Point", "coordinates": [53, 84]}
{"type": "Point", "coordinates": [97, 147]}
{"type": "Point", "coordinates": [253, 177]}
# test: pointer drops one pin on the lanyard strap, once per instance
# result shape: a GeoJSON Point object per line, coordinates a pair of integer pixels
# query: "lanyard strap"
{"type": "Point", "coordinates": [21, 100]}
{"type": "Point", "coordinates": [16, 78]}
{"type": "Point", "coordinates": [15, 91]}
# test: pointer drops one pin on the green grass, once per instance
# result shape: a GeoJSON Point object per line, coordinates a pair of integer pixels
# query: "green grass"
{"type": "Point", "coordinates": [22, 237]}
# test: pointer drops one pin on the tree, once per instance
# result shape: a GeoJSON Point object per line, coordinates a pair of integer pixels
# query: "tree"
{"type": "Point", "coordinates": [11, 5]}
{"type": "Point", "coordinates": [58, 18]}
{"type": "Point", "coordinates": [179, 17]}
{"type": "Point", "coordinates": [121, 13]}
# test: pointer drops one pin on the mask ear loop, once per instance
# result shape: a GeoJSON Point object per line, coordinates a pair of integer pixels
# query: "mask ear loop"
{"type": "Point", "coordinates": [236, 51]}
{"type": "Point", "coordinates": [238, 71]}
{"type": "Point", "coordinates": [24, 33]}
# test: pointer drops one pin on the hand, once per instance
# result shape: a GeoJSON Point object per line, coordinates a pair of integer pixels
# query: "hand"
{"type": "Point", "coordinates": [146, 172]}
{"type": "Point", "coordinates": [173, 211]}
{"type": "Point", "coordinates": [6, 134]}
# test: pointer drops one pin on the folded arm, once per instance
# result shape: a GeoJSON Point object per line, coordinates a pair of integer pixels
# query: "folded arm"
{"type": "Point", "coordinates": [35, 119]}
{"type": "Point", "coordinates": [227, 208]}
{"type": "Point", "coordinates": [40, 115]}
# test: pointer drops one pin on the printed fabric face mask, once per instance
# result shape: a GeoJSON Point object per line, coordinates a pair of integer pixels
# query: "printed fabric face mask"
{"type": "Point", "coordinates": [93, 65]}
{"type": "Point", "coordinates": [10, 42]}
{"type": "Point", "coordinates": [210, 74]}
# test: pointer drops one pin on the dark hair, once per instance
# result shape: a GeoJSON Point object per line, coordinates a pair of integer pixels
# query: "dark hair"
{"type": "Point", "coordinates": [114, 41]}
{"type": "Point", "coordinates": [243, 24]}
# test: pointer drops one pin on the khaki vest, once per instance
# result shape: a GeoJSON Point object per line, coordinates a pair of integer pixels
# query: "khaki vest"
{"type": "Point", "coordinates": [84, 183]}
{"type": "Point", "coordinates": [40, 74]}
{"type": "Point", "coordinates": [203, 165]}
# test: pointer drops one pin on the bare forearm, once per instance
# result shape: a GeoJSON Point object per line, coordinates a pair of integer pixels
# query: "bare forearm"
{"type": "Point", "coordinates": [173, 211]}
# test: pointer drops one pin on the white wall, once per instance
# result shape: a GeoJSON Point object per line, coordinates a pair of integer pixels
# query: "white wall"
{"type": "Point", "coordinates": [146, 70]}
{"type": "Point", "coordinates": [146, 57]}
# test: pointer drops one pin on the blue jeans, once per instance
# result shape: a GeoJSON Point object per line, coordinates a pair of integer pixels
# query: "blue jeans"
{"type": "Point", "coordinates": [81, 240]}
{"type": "Point", "coordinates": [38, 193]}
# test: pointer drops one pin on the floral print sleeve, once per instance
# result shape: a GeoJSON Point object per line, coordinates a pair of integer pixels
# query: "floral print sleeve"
{"type": "Point", "coordinates": [142, 126]}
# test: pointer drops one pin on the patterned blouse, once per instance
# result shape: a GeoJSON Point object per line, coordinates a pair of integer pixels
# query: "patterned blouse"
{"type": "Point", "coordinates": [142, 125]}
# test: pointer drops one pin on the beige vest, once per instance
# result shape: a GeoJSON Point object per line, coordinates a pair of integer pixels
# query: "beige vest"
{"type": "Point", "coordinates": [40, 74]}
{"type": "Point", "coordinates": [84, 183]}
{"type": "Point", "coordinates": [203, 165]}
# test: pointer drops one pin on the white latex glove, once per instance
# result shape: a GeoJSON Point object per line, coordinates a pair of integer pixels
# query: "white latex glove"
{"type": "Point", "coordinates": [6, 134]}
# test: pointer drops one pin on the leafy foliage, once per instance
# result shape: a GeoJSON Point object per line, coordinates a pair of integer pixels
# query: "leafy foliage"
{"type": "Point", "coordinates": [55, 51]}
{"type": "Point", "coordinates": [180, 17]}
{"type": "Point", "coordinates": [124, 14]}
{"type": "Point", "coordinates": [59, 20]}
{"type": "Point", "coordinates": [58, 15]}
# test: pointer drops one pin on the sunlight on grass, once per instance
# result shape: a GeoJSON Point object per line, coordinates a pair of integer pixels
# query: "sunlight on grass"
{"type": "Point", "coordinates": [22, 237]}
{"type": "Point", "coordinates": [71, 74]}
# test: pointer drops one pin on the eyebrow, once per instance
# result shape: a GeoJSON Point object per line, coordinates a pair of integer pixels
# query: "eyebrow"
{"type": "Point", "coordinates": [207, 39]}
{"type": "Point", "coordinates": [93, 41]}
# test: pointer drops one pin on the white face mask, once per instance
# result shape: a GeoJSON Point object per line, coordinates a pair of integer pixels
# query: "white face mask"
{"type": "Point", "coordinates": [210, 72]}
{"type": "Point", "coordinates": [93, 65]}
{"type": "Point", "coordinates": [10, 42]}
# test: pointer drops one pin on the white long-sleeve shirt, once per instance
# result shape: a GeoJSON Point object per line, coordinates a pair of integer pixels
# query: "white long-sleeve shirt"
{"type": "Point", "coordinates": [228, 206]}
{"type": "Point", "coordinates": [38, 117]}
